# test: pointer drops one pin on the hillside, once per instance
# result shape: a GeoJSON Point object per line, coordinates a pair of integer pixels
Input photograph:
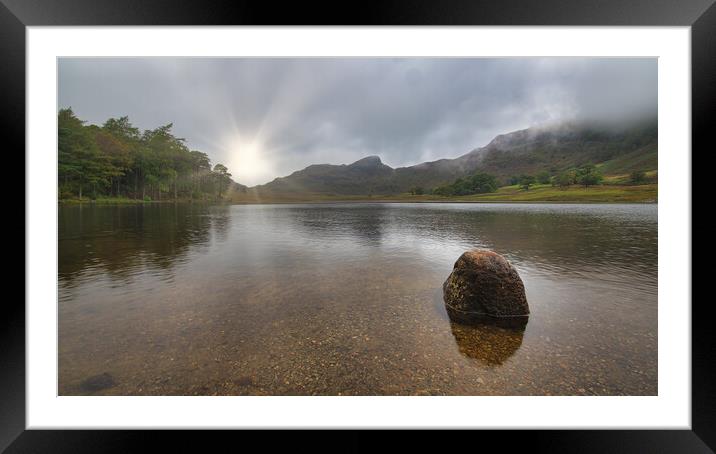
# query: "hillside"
{"type": "Point", "coordinates": [616, 151]}
{"type": "Point", "coordinates": [556, 149]}
{"type": "Point", "coordinates": [361, 177]}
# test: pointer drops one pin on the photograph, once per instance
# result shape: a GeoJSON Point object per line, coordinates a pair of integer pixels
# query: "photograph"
{"type": "Point", "coordinates": [357, 226]}
{"type": "Point", "coordinates": [473, 220]}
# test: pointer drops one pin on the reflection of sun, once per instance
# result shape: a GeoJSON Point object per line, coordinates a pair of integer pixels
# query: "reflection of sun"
{"type": "Point", "coordinates": [248, 163]}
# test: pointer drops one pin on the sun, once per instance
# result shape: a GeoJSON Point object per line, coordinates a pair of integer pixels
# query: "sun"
{"type": "Point", "coordinates": [249, 163]}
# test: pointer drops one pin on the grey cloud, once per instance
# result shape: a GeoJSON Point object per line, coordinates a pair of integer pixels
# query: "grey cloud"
{"type": "Point", "coordinates": [298, 112]}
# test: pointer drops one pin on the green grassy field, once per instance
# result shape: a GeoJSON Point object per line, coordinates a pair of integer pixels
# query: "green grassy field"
{"type": "Point", "coordinates": [607, 193]}
{"type": "Point", "coordinates": [548, 193]}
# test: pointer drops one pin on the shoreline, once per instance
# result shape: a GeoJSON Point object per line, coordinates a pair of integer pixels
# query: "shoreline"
{"type": "Point", "coordinates": [540, 194]}
{"type": "Point", "coordinates": [366, 201]}
{"type": "Point", "coordinates": [647, 193]}
{"type": "Point", "coordinates": [536, 202]}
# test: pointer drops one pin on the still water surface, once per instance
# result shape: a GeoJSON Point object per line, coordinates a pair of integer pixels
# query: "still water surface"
{"type": "Point", "coordinates": [346, 299]}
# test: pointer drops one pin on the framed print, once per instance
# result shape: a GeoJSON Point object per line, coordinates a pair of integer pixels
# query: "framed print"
{"type": "Point", "coordinates": [383, 220]}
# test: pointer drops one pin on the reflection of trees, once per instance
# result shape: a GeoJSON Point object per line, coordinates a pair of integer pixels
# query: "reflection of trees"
{"type": "Point", "coordinates": [121, 239]}
{"type": "Point", "coordinates": [488, 344]}
{"type": "Point", "coordinates": [124, 239]}
{"type": "Point", "coordinates": [221, 222]}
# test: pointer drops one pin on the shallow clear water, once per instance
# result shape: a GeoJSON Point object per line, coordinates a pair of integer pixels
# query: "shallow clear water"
{"type": "Point", "coordinates": [346, 299]}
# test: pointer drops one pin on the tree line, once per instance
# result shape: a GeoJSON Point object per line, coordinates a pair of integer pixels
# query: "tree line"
{"type": "Point", "coordinates": [585, 175]}
{"type": "Point", "coordinates": [481, 183]}
{"type": "Point", "coordinates": [117, 160]}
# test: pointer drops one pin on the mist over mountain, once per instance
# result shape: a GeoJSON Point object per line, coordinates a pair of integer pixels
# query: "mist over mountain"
{"type": "Point", "coordinates": [616, 149]}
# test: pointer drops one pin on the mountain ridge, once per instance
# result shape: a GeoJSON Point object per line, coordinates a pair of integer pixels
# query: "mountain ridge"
{"type": "Point", "coordinates": [527, 151]}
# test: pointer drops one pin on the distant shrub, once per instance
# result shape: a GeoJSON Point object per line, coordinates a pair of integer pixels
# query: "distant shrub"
{"type": "Point", "coordinates": [480, 183]}
{"type": "Point", "coordinates": [638, 177]}
{"type": "Point", "coordinates": [588, 175]}
{"type": "Point", "coordinates": [147, 198]}
{"type": "Point", "coordinates": [544, 178]}
{"type": "Point", "coordinates": [564, 179]}
{"type": "Point", "coordinates": [526, 181]}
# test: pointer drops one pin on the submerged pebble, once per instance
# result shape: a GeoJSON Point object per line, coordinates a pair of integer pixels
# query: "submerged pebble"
{"type": "Point", "coordinates": [98, 382]}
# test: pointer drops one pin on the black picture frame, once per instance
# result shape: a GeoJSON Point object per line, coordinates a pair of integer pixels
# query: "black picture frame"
{"type": "Point", "coordinates": [700, 15]}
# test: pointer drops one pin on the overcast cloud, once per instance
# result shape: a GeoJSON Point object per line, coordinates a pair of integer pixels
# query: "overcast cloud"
{"type": "Point", "coordinates": [265, 118]}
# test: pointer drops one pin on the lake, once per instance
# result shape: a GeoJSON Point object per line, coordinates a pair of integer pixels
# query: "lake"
{"type": "Point", "coordinates": [346, 299]}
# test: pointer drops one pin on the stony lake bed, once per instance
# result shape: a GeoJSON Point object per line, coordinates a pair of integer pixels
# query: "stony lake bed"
{"type": "Point", "coordinates": [346, 299]}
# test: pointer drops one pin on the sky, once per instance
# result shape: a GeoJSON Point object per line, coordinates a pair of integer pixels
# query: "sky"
{"type": "Point", "coordinates": [267, 117]}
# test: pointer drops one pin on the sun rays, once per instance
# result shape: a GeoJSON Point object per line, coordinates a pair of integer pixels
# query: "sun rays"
{"type": "Point", "coordinates": [249, 161]}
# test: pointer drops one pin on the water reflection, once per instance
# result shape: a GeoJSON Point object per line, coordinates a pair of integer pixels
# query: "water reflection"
{"type": "Point", "coordinates": [490, 345]}
{"type": "Point", "coordinates": [328, 299]}
{"type": "Point", "coordinates": [572, 239]}
{"type": "Point", "coordinates": [365, 224]}
{"type": "Point", "coordinates": [155, 238]}
{"type": "Point", "coordinates": [126, 240]}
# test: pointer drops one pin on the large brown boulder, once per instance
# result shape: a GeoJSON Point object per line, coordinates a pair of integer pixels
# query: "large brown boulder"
{"type": "Point", "coordinates": [485, 288]}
